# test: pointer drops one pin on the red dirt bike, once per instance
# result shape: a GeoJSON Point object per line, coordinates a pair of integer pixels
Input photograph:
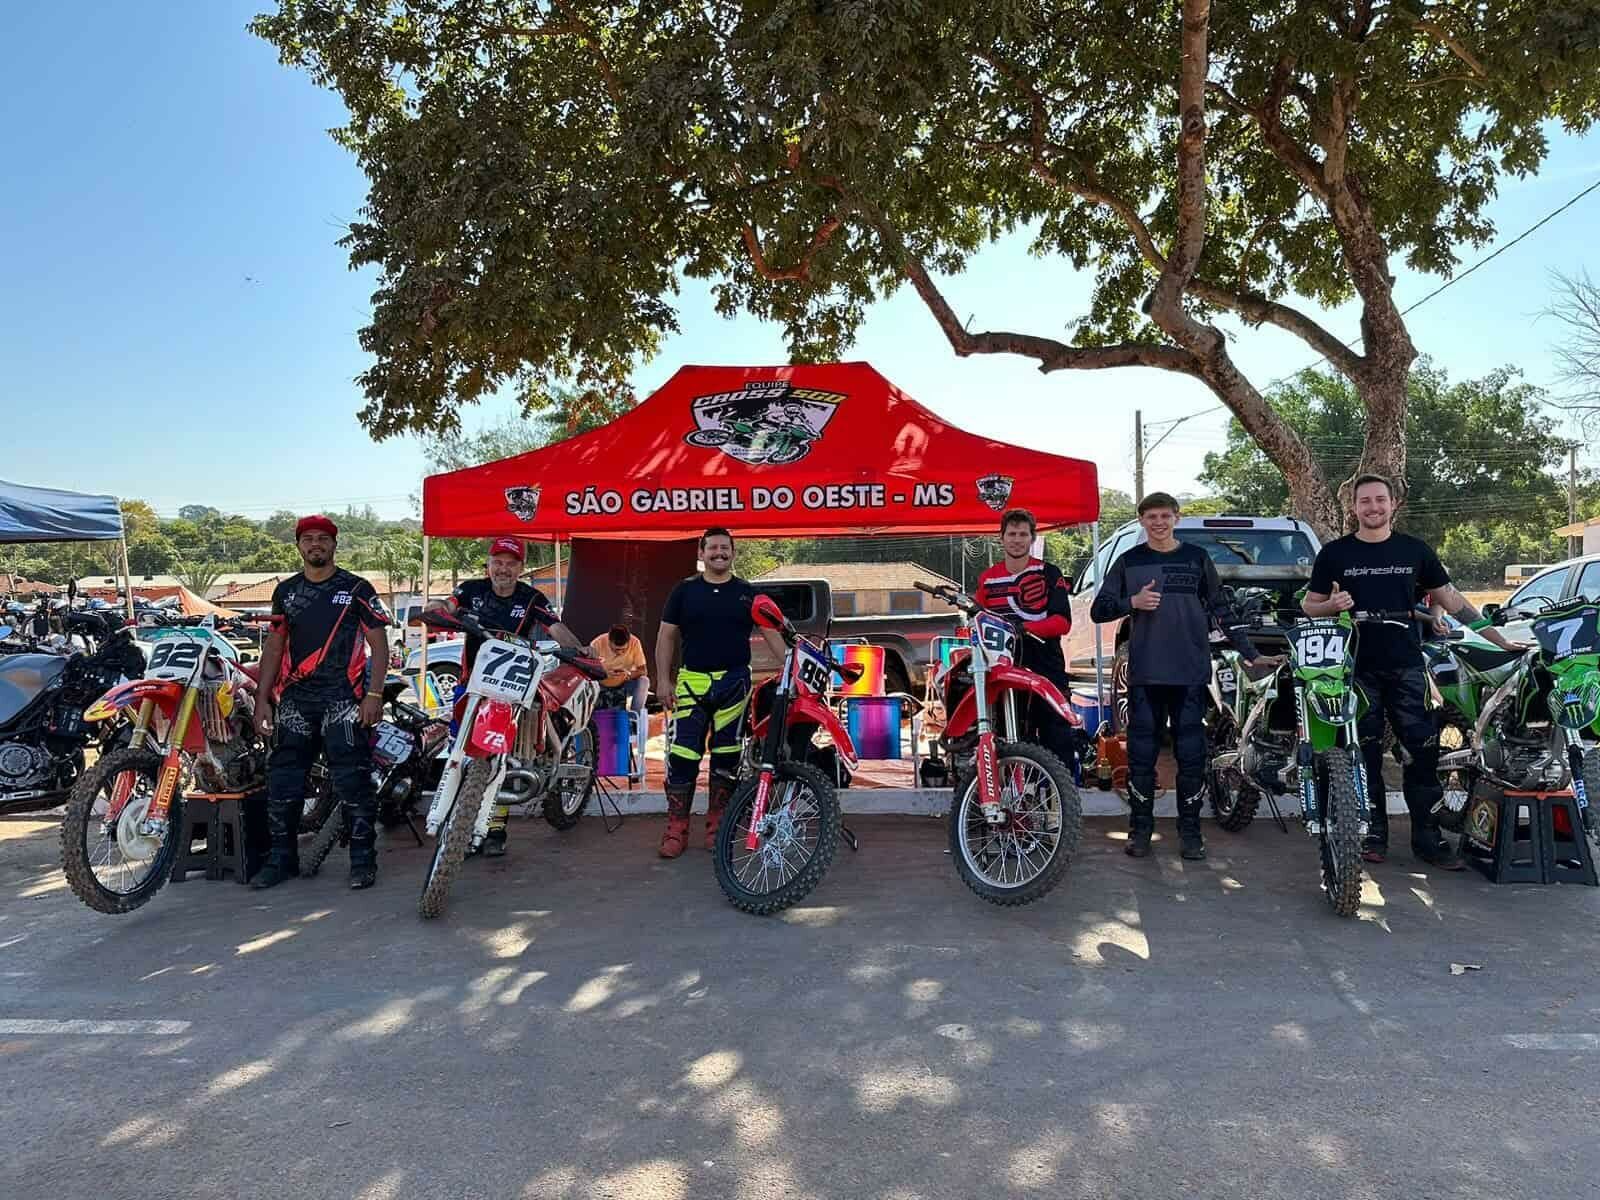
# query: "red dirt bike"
{"type": "Point", "coordinates": [1015, 817]}
{"type": "Point", "coordinates": [781, 827]}
{"type": "Point", "coordinates": [192, 732]}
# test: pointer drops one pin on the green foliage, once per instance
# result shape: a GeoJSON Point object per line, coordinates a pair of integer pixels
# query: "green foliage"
{"type": "Point", "coordinates": [1480, 453]}
{"type": "Point", "coordinates": [541, 177]}
{"type": "Point", "coordinates": [273, 556]}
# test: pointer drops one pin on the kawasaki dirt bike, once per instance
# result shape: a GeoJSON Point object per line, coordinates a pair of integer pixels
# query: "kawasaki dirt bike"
{"type": "Point", "coordinates": [1298, 734]}
{"type": "Point", "coordinates": [1015, 817]}
{"type": "Point", "coordinates": [777, 441]}
{"type": "Point", "coordinates": [1523, 720]}
{"type": "Point", "coordinates": [523, 721]}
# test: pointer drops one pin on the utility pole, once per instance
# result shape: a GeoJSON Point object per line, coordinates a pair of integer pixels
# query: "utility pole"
{"type": "Point", "coordinates": [1138, 455]}
{"type": "Point", "coordinates": [1574, 544]}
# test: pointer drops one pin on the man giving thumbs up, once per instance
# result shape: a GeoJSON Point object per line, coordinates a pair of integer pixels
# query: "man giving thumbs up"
{"type": "Point", "coordinates": [1170, 594]}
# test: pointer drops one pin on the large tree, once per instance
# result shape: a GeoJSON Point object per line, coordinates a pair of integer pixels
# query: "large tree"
{"type": "Point", "coordinates": [541, 174]}
{"type": "Point", "coordinates": [1482, 455]}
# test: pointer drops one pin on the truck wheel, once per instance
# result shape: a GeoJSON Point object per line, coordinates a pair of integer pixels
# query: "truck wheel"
{"type": "Point", "coordinates": [1119, 689]}
{"type": "Point", "coordinates": [895, 676]}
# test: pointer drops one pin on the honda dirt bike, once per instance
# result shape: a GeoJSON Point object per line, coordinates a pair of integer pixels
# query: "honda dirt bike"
{"type": "Point", "coordinates": [781, 827]}
{"type": "Point", "coordinates": [404, 764]}
{"type": "Point", "coordinates": [1015, 817]}
{"type": "Point", "coordinates": [192, 731]}
{"type": "Point", "coordinates": [523, 720]}
{"type": "Point", "coordinates": [1524, 721]}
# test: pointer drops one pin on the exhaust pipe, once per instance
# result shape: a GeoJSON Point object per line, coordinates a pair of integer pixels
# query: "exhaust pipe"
{"type": "Point", "coordinates": [518, 787]}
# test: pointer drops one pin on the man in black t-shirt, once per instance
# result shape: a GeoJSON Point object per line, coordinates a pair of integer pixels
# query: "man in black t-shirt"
{"type": "Point", "coordinates": [322, 672]}
{"type": "Point", "coordinates": [1376, 569]}
{"type": "Point", "coordinates": [708, 617]}
{"type": "Point", "coordinates": [502, 601]}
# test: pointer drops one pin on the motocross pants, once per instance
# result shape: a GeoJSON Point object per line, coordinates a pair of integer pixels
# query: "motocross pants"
{"type": "Point", "coordinates": [1400, 696]}
{"type": "Point", "coordinates": [304, 726]}
{"type": "Point", "coordinates": [708, 706]}
{"type": "Point", "coordinates": [1152, 709]}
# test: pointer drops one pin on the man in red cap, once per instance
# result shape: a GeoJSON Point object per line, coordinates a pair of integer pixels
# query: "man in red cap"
{"type": "Point", "coordinates": [502, 601]}
{"type": "Point", "coordinates": [322, 673]}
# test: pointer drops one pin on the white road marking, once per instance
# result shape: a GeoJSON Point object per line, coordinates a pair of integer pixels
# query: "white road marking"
{"type": "Point", "coordinates": [1554, 1041]}
{"type": "Point", "coordinates": [98, 1028]}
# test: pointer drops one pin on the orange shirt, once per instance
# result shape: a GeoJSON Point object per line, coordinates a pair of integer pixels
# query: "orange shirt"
{"type": "Point", "coordinates": [617, 662]}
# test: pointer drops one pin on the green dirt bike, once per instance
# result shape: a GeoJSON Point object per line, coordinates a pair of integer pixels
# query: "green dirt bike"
{"type": "Point", "coordinates": [1296, 732]}
{"type": "Point", "coordinates": [780, 443]}
{"type": "Point", "coordinates": [1522, 720]}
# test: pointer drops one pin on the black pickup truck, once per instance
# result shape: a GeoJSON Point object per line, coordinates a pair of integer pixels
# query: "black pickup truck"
{"type": "Point", "coordinates": [907, 638]}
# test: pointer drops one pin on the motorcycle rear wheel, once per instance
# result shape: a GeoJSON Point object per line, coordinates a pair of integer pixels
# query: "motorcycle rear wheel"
{"type": "Point", "coordinates": [563, 806]}
{"type": "Point", "coordinates": [982, 851]}
{"type": "Point", "coordinates": [802, 833]}
{"type": "Point", "coordinates": [1234, 799]}
{"type": "Point", "coordinates": [1340, 839]}
{"type": "Point", "coordinates": [455, 836]}
{"type": "Point", "coordinates": [1591, 789]}
{"type": "Point", "coordinates": [88, 848]}
{"type": "Point", "coordinates": [328, 836]}
{"type": "Point", "coordinates": [1456, 784]}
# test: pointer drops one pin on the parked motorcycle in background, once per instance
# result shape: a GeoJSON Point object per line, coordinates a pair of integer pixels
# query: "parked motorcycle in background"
{"type": "Point", "coordinates": [523, 733]}
{"type": "Point", "coordinates": [43, 734]}
{"type": "Point", "coordinates": [192, 731]}
{"type": "Point", "coordinates": [1015, 818]}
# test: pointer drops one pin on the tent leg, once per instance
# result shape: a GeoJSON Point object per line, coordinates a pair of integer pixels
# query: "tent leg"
{"type": "Point", "coordinates": [127, 579]}
{"type": "Point", "coordinates": [558, 574]}
{"type": "Point", "coordinates": [427, 577]}
{"type": "Point", "coordinates": [1099, 677]}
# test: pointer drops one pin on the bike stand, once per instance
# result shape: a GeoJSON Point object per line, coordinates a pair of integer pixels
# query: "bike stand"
{"type": "Point", "coordinates": [848, 834]}
{"type": "Point", "coordinates": [1528, 837]}
{"type": "Point", "coordinates": [234, 829]}
{"type": "Point", "coordinates": [412, 826]}
{"type": "Point", "coordinates": [1277, 813]}
{"type": "Point", "coordinates": [608, 796]}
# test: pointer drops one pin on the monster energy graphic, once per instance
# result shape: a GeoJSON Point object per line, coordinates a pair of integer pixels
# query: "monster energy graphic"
{"type": "Point", "coordinates": [766, 423]}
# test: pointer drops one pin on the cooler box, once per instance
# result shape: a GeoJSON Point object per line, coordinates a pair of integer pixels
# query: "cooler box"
{"type": "Point", "coordinates": [1089, 710]}
{"type": "Point", "coordinates": [613, 728]}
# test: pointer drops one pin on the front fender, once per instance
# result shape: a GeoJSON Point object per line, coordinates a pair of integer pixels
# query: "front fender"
{"type": "Point", "coordinates": [1001, 680]}
{"type": "Point", "coordinates": [135, 692]}
{"type": "Point", "coordinates": [494, 728]}
{"type": "Point", "coordinates": [809, 708]}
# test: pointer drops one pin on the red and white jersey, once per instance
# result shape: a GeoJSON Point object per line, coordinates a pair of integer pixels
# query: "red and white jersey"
{"type": "Point", "coordinates": [1039, 597]}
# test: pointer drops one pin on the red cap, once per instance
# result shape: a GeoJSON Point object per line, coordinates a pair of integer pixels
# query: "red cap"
{"type": "Point", "coordinates": [508, 545]}
{"type": "Point", "coordinates": [315, 524]}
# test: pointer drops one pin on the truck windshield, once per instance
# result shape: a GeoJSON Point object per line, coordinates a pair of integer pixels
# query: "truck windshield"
{"type": "Point", "coordinates": [1252, 547]}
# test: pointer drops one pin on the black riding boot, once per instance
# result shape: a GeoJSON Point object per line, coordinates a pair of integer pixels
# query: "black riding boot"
{"type": "Point", "coordinates": [1191, 842]}
{"type": "Point", "coordinates": [283, 860]}
{"type": "Point", "coordinates": [1141, 822]}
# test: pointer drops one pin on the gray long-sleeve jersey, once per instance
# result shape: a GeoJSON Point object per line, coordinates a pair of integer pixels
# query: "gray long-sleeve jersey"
{"type": "Point", "coordinates": [1171, 645]}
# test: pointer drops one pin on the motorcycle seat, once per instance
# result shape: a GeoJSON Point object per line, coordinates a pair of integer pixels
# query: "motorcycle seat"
{"type": "Point", "coordinates": [1485, 658]}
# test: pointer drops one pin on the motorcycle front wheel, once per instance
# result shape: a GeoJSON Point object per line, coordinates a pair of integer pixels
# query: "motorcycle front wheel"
{"type": "Point", "coordinates": [1591, 790]}
{"type": "Point", "coordinates": [1340, 839]}
{"type": "Point", "coordinates": [1025, 856]}
{"type": "Point", "coordinates": [110, 865]}
{"type": "Point", "coordinates": [566, 799]}
{"type": "Point", "coordinates": [798, 835]}
{"type": "Point", "coordinates": [455, 836]}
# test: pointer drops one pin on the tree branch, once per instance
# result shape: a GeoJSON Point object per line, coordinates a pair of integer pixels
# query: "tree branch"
{"type": "Point", "coordinates": [602, 64]}
{"type": "Point", "coordinates": [801, 271]}
{"type": "Point", "coordinates": [1446, 39]}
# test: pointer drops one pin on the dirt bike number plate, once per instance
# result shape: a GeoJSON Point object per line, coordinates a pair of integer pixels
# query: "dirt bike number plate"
{"type": "Point", "coordinates": [996, 635]}
{"type": "Point", "coordinates": [175, 658]}
{"type": "Point", "coordinates": [1571, 633]}
{"type": "Point", "coordinates": [390, 742]}
{"type": "Point", "coordinates": [812, 667]}
{"type": "Point", "coordinates": [502, 672]}
{"type": "Point", "coordinates": [1319, 643]}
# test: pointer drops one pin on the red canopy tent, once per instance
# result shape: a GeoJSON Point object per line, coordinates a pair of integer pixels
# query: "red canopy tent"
{"type": "Point", "coordinates": [767, 451]}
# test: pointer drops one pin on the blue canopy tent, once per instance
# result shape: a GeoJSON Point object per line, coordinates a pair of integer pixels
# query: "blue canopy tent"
{"type": "Point", "coordinates": [35, 514]}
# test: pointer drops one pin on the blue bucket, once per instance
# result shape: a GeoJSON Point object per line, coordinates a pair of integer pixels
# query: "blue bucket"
{"type": "Point", "coordinates": [1090, 711]}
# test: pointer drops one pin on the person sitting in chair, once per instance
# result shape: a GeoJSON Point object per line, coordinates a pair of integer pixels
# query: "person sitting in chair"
{"type": "Point", "coordinates": [628, 679]}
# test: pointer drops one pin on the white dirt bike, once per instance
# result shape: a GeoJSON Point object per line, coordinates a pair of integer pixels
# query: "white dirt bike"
{"type": "Point", "coordinates": [523, 731]}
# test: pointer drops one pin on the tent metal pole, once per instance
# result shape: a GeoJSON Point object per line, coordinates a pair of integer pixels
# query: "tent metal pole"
{"type": "Point", "coordinates": [1099, 677]}
{"type": "Point", "coordinates": [558, 574]}
{"type": "Point", "coordinates": [427, 577]}
{"type": "Point", "coordinates": [127, 577]}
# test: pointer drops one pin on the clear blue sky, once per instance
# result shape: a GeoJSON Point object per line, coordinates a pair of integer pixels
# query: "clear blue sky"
{"type": "Point", "coordinates": [180, 326]}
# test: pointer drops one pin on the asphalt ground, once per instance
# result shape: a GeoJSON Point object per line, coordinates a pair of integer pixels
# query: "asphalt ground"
{"type": "Point", "coordinates": [588, 1021]}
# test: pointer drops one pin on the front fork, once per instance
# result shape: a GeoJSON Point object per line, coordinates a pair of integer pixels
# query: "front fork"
{"type": "Point", "coordinates": [1306, 768]}
{"type": "Point", "coordinates": [122, 787]}
{"type": "Point", "coordinates": [155, 821]}
{"type": "Point", "coordinates": [1575, 749]}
